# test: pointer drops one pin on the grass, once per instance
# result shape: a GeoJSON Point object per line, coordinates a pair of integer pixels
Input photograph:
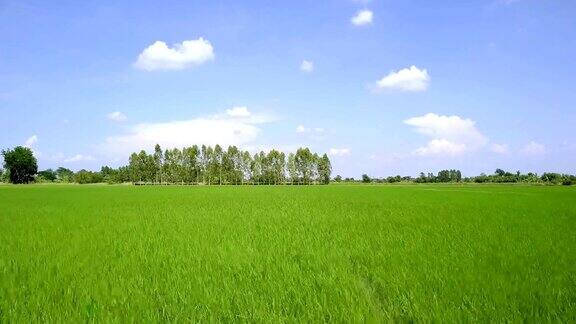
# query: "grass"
{"type": "Point", "coordinates": [261, 253]}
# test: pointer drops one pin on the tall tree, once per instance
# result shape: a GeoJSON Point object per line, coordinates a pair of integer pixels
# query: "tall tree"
{"type": "Point", "coordinates": [292, 170]}
{"type": "Point", "coordinates": [158, 161]}
{"type": "Point", "coordinates": [21, 164]}
{"type": "Point", "coordinates": [304, 164]}
{"type": "Point", "coordinates": [324, 169]}
{"type": "Point", "coordinates": [246, 166]}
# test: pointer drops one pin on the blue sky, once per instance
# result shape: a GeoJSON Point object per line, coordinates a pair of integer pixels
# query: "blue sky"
{"type": "Point", "coordinates": [384, 87]}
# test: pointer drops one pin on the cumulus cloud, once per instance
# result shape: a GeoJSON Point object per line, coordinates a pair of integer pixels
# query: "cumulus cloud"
{"type": "Point", "coordinates": [238, 112]}
{"type": "Point", "coordinates": [441, 146]}
{"type": "Point", "coordinates": [339, 152]}
{"type": "Point", "coordinates": [31, 141]}
{"type": "Point", "coordinates": [307, 66]}
{"type": "Point", "coordinates": [236, 127]}
{"type": "Point", "coordinates": [189, 53]}
{"type": "Point", "coordinates": [362, 17]}
{"type": "Point", "coordinates": [450, 135]}
{"type": "Point", "coordinates": [533, 148]}
{"type": "Point", "coordinates": [78, 158]}
{"type": "Point", "coordinates": [116, 116]}
{"type": "Point", "coordinates": [409, 79]}
{"type": "Point", "coordinates": [499, 148]}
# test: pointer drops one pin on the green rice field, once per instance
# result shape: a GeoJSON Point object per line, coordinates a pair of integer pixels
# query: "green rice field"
{"type": "Point", "coordinates": [343, 253]}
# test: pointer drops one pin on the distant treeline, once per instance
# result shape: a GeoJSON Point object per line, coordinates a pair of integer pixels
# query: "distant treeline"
{"type": "Point", "coordinates": [200, 165]}
{"type": "Point", "coordinates": [210, 166]}
{"type": "Point", "coordinates": [214, 165]}
{"type": "Point", "coordinates": [455, 176]}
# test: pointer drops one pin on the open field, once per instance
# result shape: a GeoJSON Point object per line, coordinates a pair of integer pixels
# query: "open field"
{"type": "Point", "coordinates": [341, 253]}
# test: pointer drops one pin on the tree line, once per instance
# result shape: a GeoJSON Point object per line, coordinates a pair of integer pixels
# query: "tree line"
{"type": "Point", "coordinates": [214, 165]}
{"type": "Point", "coordinates": [455, 176]}
{"type": "Point", "coordinates": [191, 165]}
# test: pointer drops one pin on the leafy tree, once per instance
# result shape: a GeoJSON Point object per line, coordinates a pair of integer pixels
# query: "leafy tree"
{"type": "Point", "coordinates": [47, 175]}
{"type": "Point", "coordinates": [324, 169]}
{"type": "Point", "coordinates": [292, 170]}
{"type": "Point", "coordinates": [84, 177]}
{"type": "Point", "coordinates": [366, 178]}
{"type": "Point", "coordinates": [304, 164]}
{"type": "Point", "coordinates": [158, 161]}
{"type": "Point", "coordinates": [21, 164]}
{"type": "Point", "coordinates": [64, 174]}
{"type": "Point", "coordinates": [246, 165]}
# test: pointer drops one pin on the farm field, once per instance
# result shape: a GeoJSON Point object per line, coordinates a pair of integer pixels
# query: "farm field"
{"type": "Point", "coordinates": [72, 253]}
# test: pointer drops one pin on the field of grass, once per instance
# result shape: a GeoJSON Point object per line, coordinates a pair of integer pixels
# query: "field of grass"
{"type": "Point", "coordinates": [262, 253]}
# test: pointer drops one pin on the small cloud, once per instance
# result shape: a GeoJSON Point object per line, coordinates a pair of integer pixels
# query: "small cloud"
{"type": "Point", "coordinates": [450, 135]}
{"type": "Point", "coordinates": [533, 148]}
{"type": "Point", "coordinates": [189, 53]}
{"type": "Point", "coordinates": [316, 133]}
{"type": "Point", "coordinates": [31, 141]}
{"type": "Point", "coordinates": [307, 66]}
{"type": "Point", "coordinates": [238, 112]}
{"type": "Point", "coordinates": [499, 148]}
{"type": "Point", "coordinates": [300, 129]}
{"type": "Point", "coordinates": [362, 17]}
{"type": "Point", "coordinates": [409, 79]}
{"type": "Point", "coordinates": [339, 152]}
{"type": "Point", "coordinates": [78, 158]}
{"type": "Point", "coordinates": [116, 116]}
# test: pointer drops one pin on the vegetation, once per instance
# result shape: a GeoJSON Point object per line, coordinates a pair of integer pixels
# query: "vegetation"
{"type": "Point", "coordinates": [279, 253]}
{"type": "Point", "coordinates": [209, 165]}
{"type": "Point", "coordinates": [215, 166]}
{"type": "Point", "coordinates": [455, 176]}
{"type": "Point", "coordinates": [20, 164]}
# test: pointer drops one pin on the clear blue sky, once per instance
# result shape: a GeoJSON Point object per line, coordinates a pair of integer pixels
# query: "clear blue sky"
{"type": "Point", "coordinates": [385, 87]}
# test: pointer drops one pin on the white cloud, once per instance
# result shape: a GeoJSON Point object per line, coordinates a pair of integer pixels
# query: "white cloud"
{"type": "Point", "coordinates": [533, 148]}
{"type": "Point", "coordinates": [300, 129]}
{"type": "Point", "coordinates": [237, 128]}
{"type": "Point", "coordinates": [31, 141]}
{"type": "Point", "coordinates": [316, 133]}
{"type": "Point", "coordinates": [159, 56]}
{"type": "Point", "coordinates": [78, 158]}
{"type": "Point", "coordinates": [408, 79]}
{"type": "Point", "coordinates": [307, 66]}
{"type": "Point", "coordinates": [116, 116]}
{"type": "Point", "coordinates": [450, 135]}
{"type": "Point", "coordinates": [499, 148]}
{"type": "Point", "coordinates": [362, 17]}
{"type": "Point", "coordinates": [441, 147]}
{"type": "Point", "coordinates": [339, 151]}
{"type": "Point", "coordinates": [238, 112]}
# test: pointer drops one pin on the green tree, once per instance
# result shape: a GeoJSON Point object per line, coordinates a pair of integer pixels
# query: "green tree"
{"type": "Point", "coordinates": [47, 175]}
{"type": "Point", "coordinates": [64, 174]}
{"type": "Point", "coordinates": [324, 169]}
{"type": "Point", "coordinates": [21, 164]}
{"type": "Point", "coordinates": [246, 166]}
{"type": "Point", "coordinates": [158, 161]}
{"type": "Point", "coordinates": [292, 170]}
{"type": "Point", "coordinates": [304, 164]}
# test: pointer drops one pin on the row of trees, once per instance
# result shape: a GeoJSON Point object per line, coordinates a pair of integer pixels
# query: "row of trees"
{"type": "Point", "coordinates": [214, 165]}
{"type": "Point", "coordinates": [191, 165]}
{"type": "Point", "coordinates": [209, 165]}
{"type": "Point", "coordinates": [455, 176]}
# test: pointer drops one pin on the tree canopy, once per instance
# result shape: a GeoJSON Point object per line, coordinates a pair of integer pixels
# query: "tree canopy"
{"type": "Point", "coordinates": [21, 164]}
{"type": "Point", "coordinates": [216, 165]}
